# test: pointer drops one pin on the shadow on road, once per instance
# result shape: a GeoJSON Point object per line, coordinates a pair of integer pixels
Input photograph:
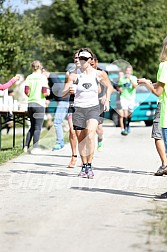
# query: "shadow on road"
{"type": "Point", "coordinates": [63, 174]}
{"type": "Point", "coordinates": [42, 164]}
{"type": "Point", "coordinates": [112, 191]}
{"type": "Point", "coordinates": [121, 169]}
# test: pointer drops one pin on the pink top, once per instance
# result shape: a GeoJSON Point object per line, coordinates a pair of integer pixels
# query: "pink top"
{"type": "Point", "coordinates": [7, 85]}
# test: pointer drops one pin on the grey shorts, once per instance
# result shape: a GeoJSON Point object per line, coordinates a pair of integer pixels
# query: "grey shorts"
{"type": "Point", "coordinates": [156, 129]}
{"type": "Point", "coordinates": [81, 115]}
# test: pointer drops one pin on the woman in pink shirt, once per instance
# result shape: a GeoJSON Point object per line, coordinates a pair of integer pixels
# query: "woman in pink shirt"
{"type": "Point", "coordinates": [9, 83]}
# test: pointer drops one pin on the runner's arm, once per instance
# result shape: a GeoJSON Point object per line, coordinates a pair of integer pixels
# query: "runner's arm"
{"type": "Point", "coordinates": [68, 85]}
{"type": "Point", "coordinates": [155, 88]}
{"type": "Point", "coordinates": [104, 80]}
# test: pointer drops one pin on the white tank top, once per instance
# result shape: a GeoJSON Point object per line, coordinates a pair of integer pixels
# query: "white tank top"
{"type": "Point", "coordinates": [86, 90]}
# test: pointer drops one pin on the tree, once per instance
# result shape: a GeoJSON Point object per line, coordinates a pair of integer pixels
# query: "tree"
{"type": "Point", "coordinates": [132, 30]}
{"type": "Point", "coordinates": [21, 41]}
{"type": "Point", "coordinates": [63, 22]}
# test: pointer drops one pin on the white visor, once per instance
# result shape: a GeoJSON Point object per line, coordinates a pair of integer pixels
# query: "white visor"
{"type": "Point", "coordinates": [85, 54]}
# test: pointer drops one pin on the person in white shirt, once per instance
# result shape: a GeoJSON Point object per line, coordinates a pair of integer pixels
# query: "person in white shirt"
{"type": "Point", "coordinates": [86, 105]}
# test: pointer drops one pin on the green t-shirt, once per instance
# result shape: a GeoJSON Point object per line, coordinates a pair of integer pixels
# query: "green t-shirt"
{"type": "Point", "coordinates": [36, 81]}
{"type": "Point", "coordinates": [128, 91]}
{"type": "Point", "coordinates": [162, 77]}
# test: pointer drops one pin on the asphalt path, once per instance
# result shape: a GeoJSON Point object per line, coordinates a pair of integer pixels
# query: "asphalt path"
{"type": "Point", "coordinates": [46, 207]}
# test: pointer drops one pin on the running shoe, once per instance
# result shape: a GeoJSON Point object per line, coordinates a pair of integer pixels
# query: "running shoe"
{"type": "Point", "coordinates": [83, 172]}
{"type": "Point", "coordinates": [100, 146]}
{"type": "Point", "coordinates": [58, 147]}
{"type": "Point", "coordinates": [27, 150]}
{"type": "Point", "coordinates": [165, 170]}
{"type": "Point", "coordinates": [160, 171]}
{"type": "Point", "coordinates": [162, 197]}
{"type": "Point", "coordinates": [90, 173]}
{"type": "Point", "coordinates": [124, 132]}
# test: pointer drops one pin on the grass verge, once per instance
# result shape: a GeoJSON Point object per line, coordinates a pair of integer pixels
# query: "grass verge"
{"type": "Point", "coordinates": [7, 152]}
{"type": "Point", "coordinates": [47, 141]}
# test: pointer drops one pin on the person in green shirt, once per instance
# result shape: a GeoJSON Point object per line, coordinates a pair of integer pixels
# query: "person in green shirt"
{"type": "Point", "coordinates": [160, 89]}
{"type": "Point", "coordinates": [127, 88]}
{"type": "Point", "coordinates": [36, 88]}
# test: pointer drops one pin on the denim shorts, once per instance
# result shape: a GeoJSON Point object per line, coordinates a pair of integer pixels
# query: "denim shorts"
{"type": "Point", "coordinates": [81, 115]}
{"type": "Point", "coordinates": [156, 129]}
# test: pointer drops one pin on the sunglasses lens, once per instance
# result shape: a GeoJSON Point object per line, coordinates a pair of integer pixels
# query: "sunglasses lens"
{"type": "Point", "coordinates": [83, 58]}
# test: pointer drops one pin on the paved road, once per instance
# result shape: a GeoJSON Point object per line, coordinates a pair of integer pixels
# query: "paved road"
{"type": "Point", "coordinates": [45, 207]}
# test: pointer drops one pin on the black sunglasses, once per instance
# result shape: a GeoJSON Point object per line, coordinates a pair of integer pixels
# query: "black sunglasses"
{"type": "Point", "coordinates": [83, 58]}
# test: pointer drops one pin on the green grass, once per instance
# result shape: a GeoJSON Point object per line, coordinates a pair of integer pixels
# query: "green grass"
{"type": "Point", "coordinates": [158, 226]}
{"type": "Point", "coordinates": [7, 151]}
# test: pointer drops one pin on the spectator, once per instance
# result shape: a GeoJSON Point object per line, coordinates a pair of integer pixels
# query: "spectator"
{"type": "Point", "coordinates": [36, 89]}
{"type": "Point", "coordinates": [9, 83]}
{"type": "Point", "coordinates": [159, 142]}
{"type": "Point", "coordinates": [56, 86]}
{"type": "Point", "coordinates": [160, 89]}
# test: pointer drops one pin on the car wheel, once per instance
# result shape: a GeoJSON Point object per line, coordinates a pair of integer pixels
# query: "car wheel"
{"type": "Point", "coordinates": [149, 123]}
{"type": "Point", "coordinates": [115, 118]}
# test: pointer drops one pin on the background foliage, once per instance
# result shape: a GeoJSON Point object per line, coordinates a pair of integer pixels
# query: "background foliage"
{"type": "Point", "coordinates": [131, 30]}
{"type": "Point", "coordinates": [21, 41]}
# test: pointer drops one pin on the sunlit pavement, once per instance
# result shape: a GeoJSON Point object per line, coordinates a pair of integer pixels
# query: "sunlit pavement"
{"type": "Point", "coordinates": [45, 206]}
